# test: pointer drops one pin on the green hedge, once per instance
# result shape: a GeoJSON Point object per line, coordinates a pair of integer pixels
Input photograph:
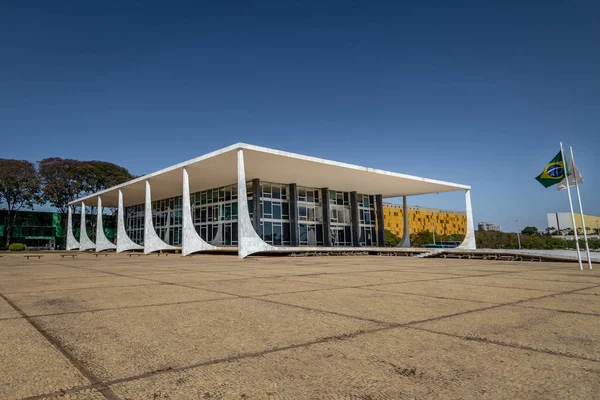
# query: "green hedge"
{"type": "Point", "coordinates": [16, 247]}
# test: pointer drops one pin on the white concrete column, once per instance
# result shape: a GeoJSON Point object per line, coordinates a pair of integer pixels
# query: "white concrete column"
{"type": "Point", "coordinates": [151, 240]}
{"type": "Point", "coordinates": [191, 242]}
{"type": "Point", "coordinates": [102, 242]}
{"type": "Point", "coordinates": [469, 242]}
{"type": "Point", "coordinates": [248, 240]}
{"type": "Point", "coordinates": [72, 243]}
{"type": "Point", "coordinates": [124, 243]}
{"type": "Point", "coordinates": [218, 238]}
{"type": "Point", "coordinates": [84, 241]}
{"type": "Point", "coordinates": [405, 242]}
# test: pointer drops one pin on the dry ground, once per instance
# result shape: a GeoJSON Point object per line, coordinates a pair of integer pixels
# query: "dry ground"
{"type": "Point", "coordinates": [204, 327]}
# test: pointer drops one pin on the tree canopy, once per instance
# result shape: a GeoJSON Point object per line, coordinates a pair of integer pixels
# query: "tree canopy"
{"type": "Point", "coordinates": [65, 180]}
{"type": "Point", "coordinates": [19, 188]}
{"type": "Point", "coordinates": [530, 230]}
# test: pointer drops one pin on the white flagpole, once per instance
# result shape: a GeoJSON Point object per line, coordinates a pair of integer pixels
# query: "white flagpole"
{"type": "Point", "coordinates": [587, 246]}
{"type": "Point", "coordinates": [562, 153]}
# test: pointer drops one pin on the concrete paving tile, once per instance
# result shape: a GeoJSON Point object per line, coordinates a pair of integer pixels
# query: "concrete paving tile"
{"type": "Point", "coordinates": [572, 334]}
{"type": "Point", "coordinates": [593, 290]}
{"type": "Point", "coordinates": [344, 280]}
{"type": "Point", "coordinates": [260, 286]}
{"type": "Point", "coordinates": [188, 277]}
{"type": "Point", "coordinates": [396, 364]}
{"type": "Point", "coordinates": [32, 285]}
{"type": "Point", "coordinates": [406, 275]}
{"type": "Point", "coordinates": [140, 269]}
{"type": "Point", "coordinates": [105, 298]}
{"type": "Point", "coordinates": [591, 278]}
{"type": "Point", "coordinates": [381, 306]}
{"type": "Point", "coordinates": [512, 282]}
{"type": "Point", "coordinates": [122, 343]}
{"type": "Point", "coordinates": [6, 311]}
{"type": "Point", "coordinates": [266, 273]}
{"type": "Point", "coordinates": [85, 394]}
{"type": "Point", "coordinates": [464, 292]}
{"type": "Point", "coordinates": [457, 271]}
{"type": "Point", "coordinates": [569, 302]}
{"type": "Point", "coordinates": [30, 365]}
{"type": "Point", "coordinates": [46, 272]}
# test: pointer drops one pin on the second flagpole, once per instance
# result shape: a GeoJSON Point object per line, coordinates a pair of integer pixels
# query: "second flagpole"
{"type": "Point", "coordinates": [565, 172]}
{"type": "Point", "coordinates": [587, 246]}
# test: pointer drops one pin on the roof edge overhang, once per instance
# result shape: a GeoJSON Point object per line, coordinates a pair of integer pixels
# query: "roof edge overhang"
{"type": "Point", "coordinates": [245, 146]}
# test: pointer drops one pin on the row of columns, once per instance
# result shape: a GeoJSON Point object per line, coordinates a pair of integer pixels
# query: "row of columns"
{"type": "Point", "coordinates": [249, 231]}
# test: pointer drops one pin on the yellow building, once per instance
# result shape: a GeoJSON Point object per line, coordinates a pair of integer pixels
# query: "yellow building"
{"type": "Point", "coordinates": [442, 222]}
{"type": "Point", "coordinates": [562, 221]}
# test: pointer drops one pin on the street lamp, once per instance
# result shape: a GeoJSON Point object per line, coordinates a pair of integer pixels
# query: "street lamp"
{"type": "Point", "coordinates": [518, 235]}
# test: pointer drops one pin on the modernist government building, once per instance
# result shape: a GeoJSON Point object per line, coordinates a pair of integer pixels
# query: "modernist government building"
{"type": "Point", "coordinates": [257, 200]}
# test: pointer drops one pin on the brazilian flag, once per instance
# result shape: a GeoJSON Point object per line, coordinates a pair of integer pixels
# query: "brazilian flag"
{"type": "Point", "coordinates": [554, 171]}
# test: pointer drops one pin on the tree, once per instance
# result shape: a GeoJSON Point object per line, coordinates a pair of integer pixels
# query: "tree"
{"type": "Point", "coordinates": [420, 239]}
{"type": "Point", "coordinates": [65, 180]}
{"type": "Point", "coordinates": [104, 175]}
{"type": "Point", "coordinates": [19, 188]}
{"type": "Point", "coordinates": [551, 231]}
{"type": "Point", "coordinates": [391, 240]}
{"type": "Point", "coordinates": [530, 230]}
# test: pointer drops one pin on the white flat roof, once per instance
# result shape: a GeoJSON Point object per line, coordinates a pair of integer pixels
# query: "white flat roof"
{"type": "Point", "coordinates": [219, 168]}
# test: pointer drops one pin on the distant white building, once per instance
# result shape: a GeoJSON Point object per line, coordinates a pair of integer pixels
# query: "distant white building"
{"type": "Point", "coordinates": [486, 226]}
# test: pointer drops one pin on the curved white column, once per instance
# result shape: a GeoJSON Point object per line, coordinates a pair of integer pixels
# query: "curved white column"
{"type": "Point", "coordinates": [218, 239]}
{"type": "Point", "coordinates": [405, 242]}
{"type": "Point", "coordinates": [124, 243]}
{"type": "Point", "coordinates": [469, 242]}
{"type": "Point", "coordinates": [248, 240]}
{"type": "Point", "coordinates": [151, 240]}
{"type": "Point", "coordinates": [84, 241]}
{"type": "Point", "coordinates": [102, 242]}
{"type": "Point", "coordinates": [191, 242]}
{"type": "Point", "coordinates": [72, 243]}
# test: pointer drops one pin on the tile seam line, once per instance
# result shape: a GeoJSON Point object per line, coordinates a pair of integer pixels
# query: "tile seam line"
{"type": "Point", "coordinates": [230, 295]}
{"type": "Point", "coordinates": [340, 337]}
{"type": "Point", "coordinates": [561, 311]}
{"type": "Point", "coordinates": [84, 288]}
{"type": "Point", "coordinates": [409, 323]}
{"type": "Point", "coordinates": [506, 344]}
{"type": "Point", "coordinates": [324, 273]}
{"type": "Point", "coordinates": [385, 327]}
{"type": "Point", "coordinates": [89, 375]}
{"type": "Point", "coordinates": [514, 287]}
{"type": "Point", "coordinates": [95, 310]}
{"type": "Point", "coordinates": [261, 298]}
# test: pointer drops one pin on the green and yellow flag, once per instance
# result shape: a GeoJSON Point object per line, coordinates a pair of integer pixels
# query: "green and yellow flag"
{"type": "Point", "coordinates": [554, 171]}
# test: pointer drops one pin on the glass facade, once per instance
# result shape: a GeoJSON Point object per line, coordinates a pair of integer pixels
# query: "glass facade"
{"type": "Point", "coordinates": [134, 223]}
{"type": "Point", "coordinates": [367, 223]}
{"type": "Point", "coordinates": [310, 217]}
{"type": "Point", "coordinates": [215, 216]}
{"type": "Point", "coordinates": [341, 220]}
{"type": "Point", "coordinates": [215, 213]}
{"type": "Point", "coordinates": [166, 218]}
{"type": "Point", "coordinates": [275, 220]}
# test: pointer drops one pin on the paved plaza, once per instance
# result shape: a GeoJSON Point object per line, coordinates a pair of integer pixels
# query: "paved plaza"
{"type": "Point", "coordinates": [215, 327]}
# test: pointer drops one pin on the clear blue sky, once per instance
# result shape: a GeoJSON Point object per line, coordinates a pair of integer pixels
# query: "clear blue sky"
{"type": "Point", "coordinates": [469, 92]}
